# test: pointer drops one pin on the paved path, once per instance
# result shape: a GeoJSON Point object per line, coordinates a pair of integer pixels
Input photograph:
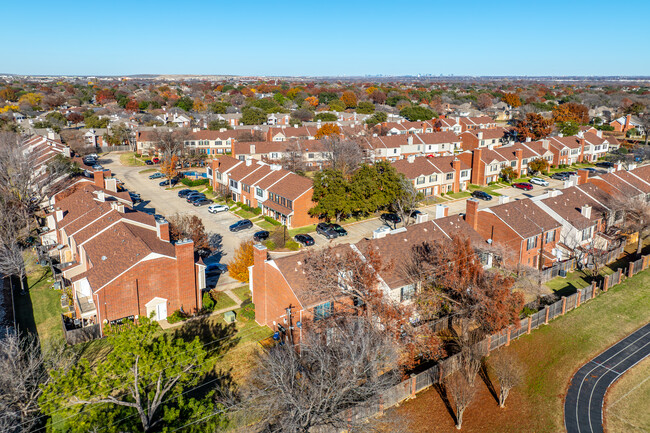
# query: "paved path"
{"type": "Point", "coordinates": [583, 407]}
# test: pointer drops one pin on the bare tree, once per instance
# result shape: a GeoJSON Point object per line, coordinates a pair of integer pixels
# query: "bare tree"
{"type": "Point", "coordinates": [251, 136]}
{"type": "Point", "coordinates": [508, 371]}
{"type": "Point", "coordinates": [636, 217]}
{"type": "Point", "coordinates": [342, 154]}
{"type": "Point", "coordinates": [407, 200]}
{"type": "Point", "coordinates": [12, 261]}
{"type": "Point", "coordinates": [346, 365]}
{"type": "Point", "coordinates": [471, 359]}
{"type": "Point", "coordinates": [74, 139]}
{"type": "Point", "coordinates": [292, 158]}
{"type": "Point", "coordinates": [24, 370]}
{"type": "Point", "coordinates": [462, 392]}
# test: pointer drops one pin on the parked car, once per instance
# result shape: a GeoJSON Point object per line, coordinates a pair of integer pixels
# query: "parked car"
{"type": "Point", "coordinates": [168, 182]}
{"type": "Point", "coordinates": [538, 181]}
{"type": "Point", "coordinates": [185, 192]}
{"type": "Point", "coordinates": [340, 230]}
{"type": "Point", "coordinates": [216, 268]}
{"type": "Point", "coordinates": [590, 169]}
{"type": "Point", "coordinates": [156, 175]}
{"type": "Point", "coordinates": [482, 195]}
{"type": "Point", "coordinates": [523, 185]}
{"type": "Point", "coordinates": [194, 197]}
{"type": "Point", "coordinates": [570, 173]}
{"type": "Point", "coordinates": [241, 225]}
{"type": "Point", "coordinates": [559, 176]}
{"type": "Point", "coordinates": [97, 167]}
{"type": "Point", "coordinates": [148, 162]}
{"type": "Point", "coordinates": [605, 164]}
{"type": "Point", "coordinates": [260, 236]}
{"type": "Point", "coordinates": [202, 202]}
{"type": "Point", "coordinates": [392, 218]}
{"type": "Point", "coordinates": [304, 240]}
{"type": "Point", "coordinates": [155, 160]}
{"type": "Point", "coordinates": [414, 213]}
{"type": "Point", "coordinates": [326, 230]}
{"type": "Point", "coordinates": [216, 208]}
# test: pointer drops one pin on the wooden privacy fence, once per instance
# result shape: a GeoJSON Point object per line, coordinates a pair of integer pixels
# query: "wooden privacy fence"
{"type": "Point", "coordinates": [436, 374]}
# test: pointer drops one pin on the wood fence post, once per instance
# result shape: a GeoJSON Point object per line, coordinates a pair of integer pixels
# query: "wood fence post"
{"type": "Point", "coordinates": [413, 380]}
{"type": "Point", "coordinates": [508, 335]}
{"type": "Point", "coordinates": [530, 322]}
{"type": "Point", "coordinates": [563, 305]}
{"type": "Point", "coordinates": [606, 283]}
{"type": "Point", "coordinates": [630, 271]}
{"type": "Point", "coordinates": [594, 288]}
{"type": "Point", "coordinates": [546, 315]}
{"type": "Point", "coordinates": [578, 298]}
{"type": "Point", "coordinates": [381, 405]}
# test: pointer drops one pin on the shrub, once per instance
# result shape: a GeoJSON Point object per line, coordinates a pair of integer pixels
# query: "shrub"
{"type": "Point", "coordinates": [188, 182]}
{"type": "Point", "coordinates": [292, 245]}
{"type": "Point", "coordinates": [208, 302]}
{"type": "Point", "coordinates": [527, 311]}
{"type": "Point", "coordinates": [270, 245]}
{"type": "Point", "coordinates": [248, 311]}
{"type": "Point", "coordinates": [272, 221]}
{"type": "Point", "coordinates": [176, 317]}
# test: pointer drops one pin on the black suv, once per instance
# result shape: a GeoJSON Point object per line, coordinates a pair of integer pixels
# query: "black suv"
{"type": "Point", "coordinates": [326, 230]}
{"type": "Point", "coordinates": [560, 176]}
{"type": "Point", "coordinates": [194, 196]}
{"type": "Point", "coordinates": [392, 218]}
{"type": "Point", "coordinates": [241, 225]}
{"type": "Point", "coordinates": [261, 236]}
{"type": "Point", "coordinates": [482, 195]}
{"type": "Point", "coordinates": [185, 192]}
{"type": "Point", "coordinates": [340, 230]}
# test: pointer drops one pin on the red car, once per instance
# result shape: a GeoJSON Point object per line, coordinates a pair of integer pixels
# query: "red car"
{"type": "Point", "coordinates": [155, 160]}
{"type": "Point", "coordinates": [523, 185]}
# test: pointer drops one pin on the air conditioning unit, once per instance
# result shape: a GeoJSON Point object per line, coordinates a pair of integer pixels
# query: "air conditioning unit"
{"type": "Point", "coordinates": [562, 273]}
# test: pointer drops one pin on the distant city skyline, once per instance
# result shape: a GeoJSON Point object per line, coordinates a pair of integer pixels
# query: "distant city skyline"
{"type": "Point", "coordinates": [337, 39]}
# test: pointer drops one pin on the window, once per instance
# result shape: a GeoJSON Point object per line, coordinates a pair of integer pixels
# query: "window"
{"type": "Point", "coordinates": [433, 178]}
{"type": "Point", "coordinates": [289, 204]}
{"type": "Point", "coordinates": [464, 173]}
{"type": "Point", "coordinates": [310, 155]}
{"type": "Point", "coordinates": [513, 164]}
{"type": "Point", "coordinates": [219, 175]}
{"type": "Point", "coordinates": [394, 150]}
{"type": "Point", "coordinates": [274, 155]}
{"type": "Point", "coordinates": [407, 292]}
{"type": "Point", "coordinates": [550, 236]}
{"type": "Point", "coordinates": [209, 171]}
{"type": "Point", "coordinates": [323, 311]}
{"type": "Point", "coordinates": [493, 167]}
{"type": "Point", "coordinates": [259, 192]}
{"type": "Point", "coordinates": [420, 180]}
{"type": "Point", "coordinates": [524, 161]}
{"type": "Point", "coordinates": [245, 187]}
{"type": "Point", "coordinates": [531, 243]}
{"type": "Point", "coordinates": [449, 176]}
{"type": "Point", "coordinates": [586, 233]}
{"type": "Point", "coordinates": [234, 183]}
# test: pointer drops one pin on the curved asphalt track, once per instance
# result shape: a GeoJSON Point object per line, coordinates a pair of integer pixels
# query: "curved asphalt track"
{"type": "Point", "coordinates": [583, 407]}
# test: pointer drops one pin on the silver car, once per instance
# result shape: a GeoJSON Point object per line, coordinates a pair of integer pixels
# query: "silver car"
{"type": "Point", "coordinates": [538, 181]}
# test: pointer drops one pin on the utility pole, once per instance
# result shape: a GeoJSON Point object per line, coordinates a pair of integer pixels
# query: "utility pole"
{"type": "Point", "coordinates": [290, 329]}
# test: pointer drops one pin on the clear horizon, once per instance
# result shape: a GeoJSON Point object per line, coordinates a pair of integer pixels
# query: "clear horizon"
{"type": "Point", "coordinates": [343, 39]}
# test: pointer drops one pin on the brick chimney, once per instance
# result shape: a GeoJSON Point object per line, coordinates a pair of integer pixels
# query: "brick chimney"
{"type": "Point", "coordinates": [628, 122]}
{"type": "Point", "coordinates": [478, 168]}
{"type": "Point", "coordinates": [456, 164]}
{"type": "Point", "coordinates": [187, 291]}
{"type": "Point", "coordinates": [258, 287]}
{"type": "Point", "coordinates": [471, 213]}
{"type": "Point", "coordinates": [162, 230]}
{"type": "Point", "coordinates": [519, 154]}
{"type": "Point", "coordinates": [583, 176]}
{"type": "Point", "coordinates": [99, 176]}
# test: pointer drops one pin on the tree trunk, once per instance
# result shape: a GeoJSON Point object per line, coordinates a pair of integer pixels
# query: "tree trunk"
{"type": "Point", "coordinates": [22, 284]}
{"type": "Point", "coordinates": [459, 418]}
{"type": "Point", "coordinates": [503, 395]}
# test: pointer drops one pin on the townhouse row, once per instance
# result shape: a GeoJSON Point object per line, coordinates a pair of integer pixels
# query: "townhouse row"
{"type": "Point", "coordinates": [118, 263]}
{"type": "Point", "coordinates": [529, 233]}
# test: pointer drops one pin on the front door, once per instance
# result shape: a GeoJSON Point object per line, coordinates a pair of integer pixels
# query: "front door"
{"type": "Point", "coordinates": [161, 311]}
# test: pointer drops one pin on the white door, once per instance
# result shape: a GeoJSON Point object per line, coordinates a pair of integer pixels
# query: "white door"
{"type": "Point", "coordinates": [161, 311]}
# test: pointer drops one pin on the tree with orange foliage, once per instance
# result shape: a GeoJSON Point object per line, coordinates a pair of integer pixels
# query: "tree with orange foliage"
{"type": "Point", "coordinates": [243, 259]}
{"type": "Point", "coordinates": [199, 105]}
{"type": "Point", "coordinates": [452, 281]}
{"type": "Point", "coordinates": [132, 106]}
{"type": "Point", "coordinates": [511, 99]}
{"type": "Point", "coordinates": [571, 112]}
{"type": "Point", "coordinates": [104, 96]}
{"type": "Point", "coordinates": [312, 100]}
{"type": "Point", "coordinates": [349, 98]}
{"type": "Point", "coordinates": [370, 90]}
{"type": "Point", "coordinates": [247, 92]}
{"type": "Point", "coordinates": [168, 166]}
{"type": "Point", "coordinates": [534, 126]}
{"type": "Point", "coordinates": [8, 94]}
{"type": "Point", "coordinates": [327, 130]}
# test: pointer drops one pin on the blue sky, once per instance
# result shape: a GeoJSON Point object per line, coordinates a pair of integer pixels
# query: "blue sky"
{"type": "Point", "coordinates": [570, 37]}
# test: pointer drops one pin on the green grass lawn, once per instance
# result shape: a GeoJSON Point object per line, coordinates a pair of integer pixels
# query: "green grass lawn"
{"type": "Point", "coordinates": [265, 225]}
{"type": "Point", "coordinates": [129, 159]}
{"type": "Point", "coordinates": [490, 189]}
{"type": "Point", "coordinates": [148, 170]}
{"type": "Point", "coordinates": [39, 310]}
{"type": "Point", "coordinates": [222, 301]}
{"type": "Point", "coordinates": [243, 293]}
{"type": "Point", "coordinates": [245, 214]}
{"type": "Point", "coordinates": [461, 194]}
{"type": "Point", "coordinates": [301, 230]}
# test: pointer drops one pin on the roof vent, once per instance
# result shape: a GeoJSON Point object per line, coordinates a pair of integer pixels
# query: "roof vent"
{"type": "Point", "coordinates": [104, 258]}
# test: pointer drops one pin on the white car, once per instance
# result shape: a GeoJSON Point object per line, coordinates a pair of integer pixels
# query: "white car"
{"type": "Point", "coordinates": [215, 208]}
{"type": "Point", "coordinates": [538, 181]}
